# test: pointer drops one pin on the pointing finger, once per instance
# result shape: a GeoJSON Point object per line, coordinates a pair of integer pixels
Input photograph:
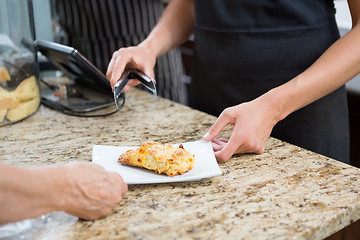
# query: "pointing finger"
{"type": "Point", "coordinates": [218, 126]}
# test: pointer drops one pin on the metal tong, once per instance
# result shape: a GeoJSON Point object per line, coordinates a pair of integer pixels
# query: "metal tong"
{"type": "Point", "coordinates": [145, 80]}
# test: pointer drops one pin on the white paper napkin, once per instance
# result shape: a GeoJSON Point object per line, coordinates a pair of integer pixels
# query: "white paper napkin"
{"type": "Point", "coordinates": [205, 164]}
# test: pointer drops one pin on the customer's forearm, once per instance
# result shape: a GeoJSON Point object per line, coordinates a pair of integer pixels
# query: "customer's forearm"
{"type": "Point", "coordinates": [26, 193]}
{"type": "Point", "coordinates": [173, 28]}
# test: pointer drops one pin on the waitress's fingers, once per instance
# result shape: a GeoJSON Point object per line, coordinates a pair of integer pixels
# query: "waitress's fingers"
{"type": "Point", "coordinates": [224, 140]}
{"type": "Point", "coordinates": [110, 67]}
{"type": "Point", "coordinates": [219, 140]}
{"type": "Point", "coordinates": [149, 70]}
{"type": "Point", "coordinates": [216, 147]}
{"type": "Point", "coordinates": [217, 144]}
{"type": "Point", "coordinates": [222, 121]}
{"type": "Point", "coordinates": [118, 68]}
{"type": "Point", "coordinates": [121, 60]}
{"type": "Point", "coordinates": [242, 142]}
{"type": "Point", "coordinates": [229, 149]}
{"type": "Point", "coordinates": [133, 82]}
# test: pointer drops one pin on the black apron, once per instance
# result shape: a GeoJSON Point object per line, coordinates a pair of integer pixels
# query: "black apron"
{"type": "Point", "coordinates": [244, 48]}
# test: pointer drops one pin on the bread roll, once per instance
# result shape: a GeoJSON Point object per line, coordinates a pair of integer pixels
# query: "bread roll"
{"type": "Point", "coordinates": [4, 74]}
{"type": "Point", "coordinates": [7, 100]}
{"type": "Point", "coordinates": [27, 90]}
{"type": "Point", "coordinates": [161, 158]}
{"type": "Point", "coordinates": [23, 110]}
{"type": "Point", "coordinates": [2, 114]}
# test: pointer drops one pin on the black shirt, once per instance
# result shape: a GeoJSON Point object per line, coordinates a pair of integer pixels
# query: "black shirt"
{"type": "Point", "coordinates": [244, 48]}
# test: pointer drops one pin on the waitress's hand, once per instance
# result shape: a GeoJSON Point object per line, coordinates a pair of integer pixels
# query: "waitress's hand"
{"type": "Point", "coordinates": [138, 57]}
{"type": "Point", "coordinates": [252, 123]}
{"type": "Point", "coordinates": [89, 191]}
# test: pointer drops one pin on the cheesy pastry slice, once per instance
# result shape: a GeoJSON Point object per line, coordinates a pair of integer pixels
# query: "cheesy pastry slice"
{"type": "Point", "coordinates": [161, 158]}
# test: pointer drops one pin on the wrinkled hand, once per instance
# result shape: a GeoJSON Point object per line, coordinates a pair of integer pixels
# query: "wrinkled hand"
{"type": "Point", "coordinates": [252, 123]}
{"type": "Point", "coordinates": [90, 191]}
{"type": "Point", "coordinates": [138, 57]}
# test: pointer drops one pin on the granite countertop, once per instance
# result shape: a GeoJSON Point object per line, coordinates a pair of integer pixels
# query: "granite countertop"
{"type": "Point", "coordinates": [285, 193]}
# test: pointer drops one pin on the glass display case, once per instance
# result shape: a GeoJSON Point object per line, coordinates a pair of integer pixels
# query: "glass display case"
{"type": "Point", "coordinates": [19, 74]}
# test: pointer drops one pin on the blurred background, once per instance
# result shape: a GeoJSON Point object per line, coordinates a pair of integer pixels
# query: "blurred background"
{"type": "Point", "coordinates": [45, 29]}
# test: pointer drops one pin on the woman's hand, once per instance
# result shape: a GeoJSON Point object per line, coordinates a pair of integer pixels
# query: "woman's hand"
{"type": "Point", "coordinates": [138, 57]}
{"type": "Point", "coordinates": [90, 192]}
{"type": "Point", "coordinates": [252, 123]}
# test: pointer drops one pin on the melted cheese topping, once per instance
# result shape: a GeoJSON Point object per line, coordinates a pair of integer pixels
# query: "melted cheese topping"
{"type": "Point", "coordinates": [161, 158]}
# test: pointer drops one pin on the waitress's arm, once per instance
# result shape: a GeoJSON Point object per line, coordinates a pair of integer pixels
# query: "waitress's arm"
{"type": "Point", "coordinates": [173, 28]}
{"type": "Point", "coordinates": [339, 64]}
{"type": "Point", "coordinates": [253, 121]}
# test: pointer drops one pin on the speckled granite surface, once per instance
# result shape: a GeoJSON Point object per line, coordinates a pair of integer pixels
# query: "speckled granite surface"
{"type": "Point", "coordinates": [285, 193]}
